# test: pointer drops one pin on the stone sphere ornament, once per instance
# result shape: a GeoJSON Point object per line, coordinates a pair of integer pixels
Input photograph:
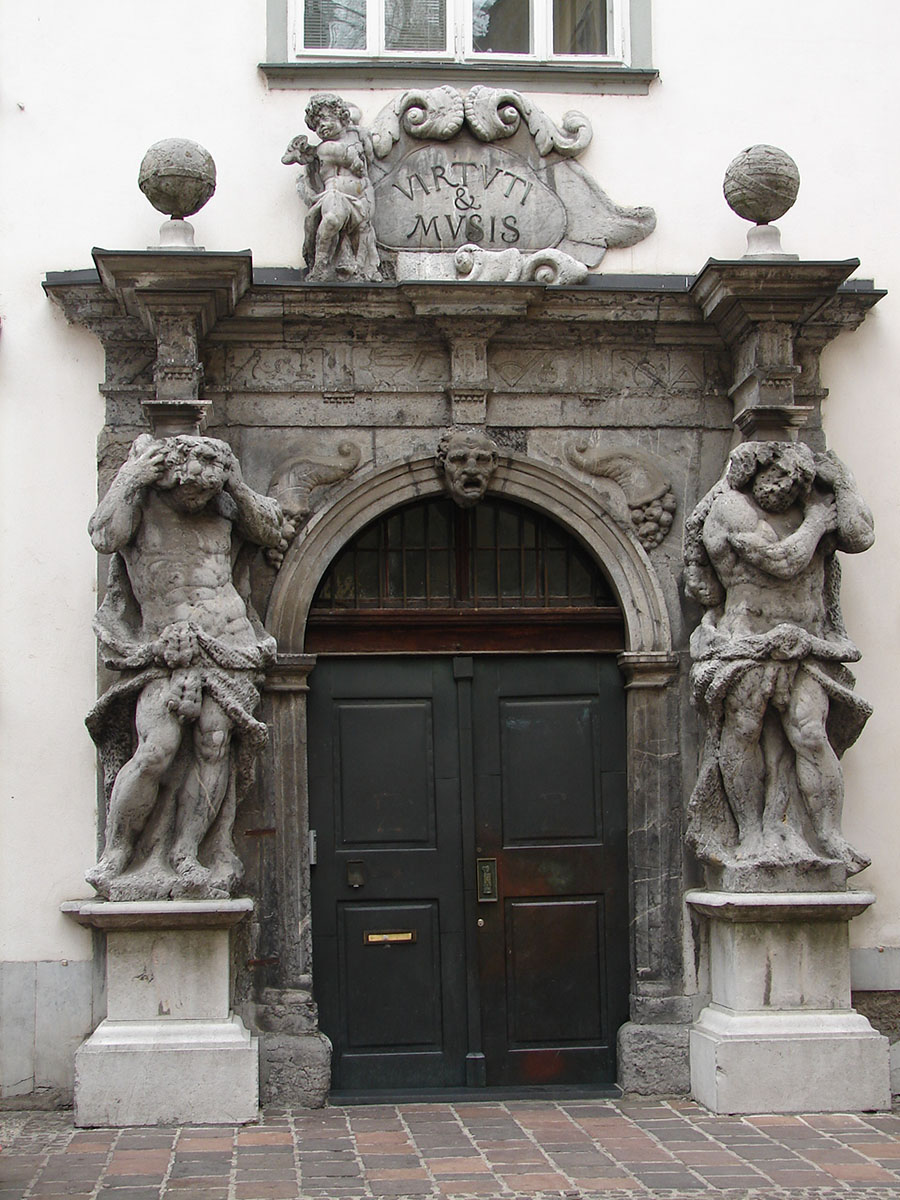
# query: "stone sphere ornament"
{"type": "Point", "coordinates": [177, 176]}
{"type": "Point", "coordinates": [760, 185]}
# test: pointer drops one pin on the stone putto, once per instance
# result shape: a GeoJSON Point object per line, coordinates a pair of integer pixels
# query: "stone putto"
{"type": "Point", "coordinates": [339, 240]}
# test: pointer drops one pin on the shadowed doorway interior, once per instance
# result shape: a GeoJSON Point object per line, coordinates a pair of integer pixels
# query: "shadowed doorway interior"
{"type": "Point", "coordinates": [467, 789]}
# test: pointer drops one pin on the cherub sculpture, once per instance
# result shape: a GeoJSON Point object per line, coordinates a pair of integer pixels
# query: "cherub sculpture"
{"type": "Point", "coordinates": [339, 240]}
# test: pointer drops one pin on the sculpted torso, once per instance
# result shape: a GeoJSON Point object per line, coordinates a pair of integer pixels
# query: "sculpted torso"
{"type": "Point", "coordinates": [756, 598]}
{"type": "Point", "coordinates": [179, 565]}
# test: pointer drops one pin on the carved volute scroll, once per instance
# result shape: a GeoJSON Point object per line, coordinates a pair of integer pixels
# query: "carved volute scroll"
{"type": "Point", "coordinates": [490, 169]}
{"type": "Point", "coordinates": [637, 493]}
{"type": "Point", "coordinates": [298, 475]}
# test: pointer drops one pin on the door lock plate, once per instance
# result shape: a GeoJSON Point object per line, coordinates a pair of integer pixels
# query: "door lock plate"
{"type": "Point", "coordinates": [486, 873]}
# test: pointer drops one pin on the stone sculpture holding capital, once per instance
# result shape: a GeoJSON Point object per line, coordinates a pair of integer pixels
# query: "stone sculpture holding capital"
{"type": "Point", "coordinates": [769, 659]}
{"type": "Point", "coordinates": [177, 732]}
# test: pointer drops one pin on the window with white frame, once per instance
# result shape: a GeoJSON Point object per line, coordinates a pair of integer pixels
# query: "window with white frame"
{"type": "Point", "coordinates": [540, 31]}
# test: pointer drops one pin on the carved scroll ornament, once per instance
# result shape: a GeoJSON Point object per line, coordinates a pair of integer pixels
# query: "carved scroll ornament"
{"type": "Point", "coordinates": [640, 498]}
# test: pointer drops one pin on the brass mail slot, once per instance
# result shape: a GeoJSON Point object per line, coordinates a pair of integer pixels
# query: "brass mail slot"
{"type": "Point", "coordinates": [385, 937]}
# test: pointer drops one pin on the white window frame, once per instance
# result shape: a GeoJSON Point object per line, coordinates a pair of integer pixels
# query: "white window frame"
{"type": "Point", "coordinates": [460, 38]}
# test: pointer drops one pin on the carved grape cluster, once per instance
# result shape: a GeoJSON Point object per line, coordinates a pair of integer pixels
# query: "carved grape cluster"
{"type": "Point", "coordinates": [653, 521]}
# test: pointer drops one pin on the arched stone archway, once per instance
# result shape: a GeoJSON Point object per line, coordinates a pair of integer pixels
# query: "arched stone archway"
{"type": "Point", "coordinates": [539, 485]}
{"type": "Point", "coordinates": [658, 1007]}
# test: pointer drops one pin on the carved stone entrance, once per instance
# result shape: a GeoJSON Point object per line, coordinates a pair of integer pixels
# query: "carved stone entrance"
{"type": "Point", "coordinates": [469, 892]}
{"type": "Point", "coordinates": [608, 407]}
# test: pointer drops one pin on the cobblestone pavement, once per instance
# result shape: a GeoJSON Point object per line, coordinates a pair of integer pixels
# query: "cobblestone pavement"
{"type": "Point", "coordinates": [515, 1150]}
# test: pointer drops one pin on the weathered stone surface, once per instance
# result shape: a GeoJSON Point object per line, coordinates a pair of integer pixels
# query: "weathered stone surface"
{"type": "Point", "coordinates": [136, 1072]}
{"type": "Point", "coordinates": [177, 176]}
{"type": "Point", "coordinates": [468, 459]}
{"type": "Point", "coordinates": [653, 1059]}
{"type": "Point", "coordinates": [769, 673]}
{"type": "Point", "coordinates": [339, 241]}
{"type": "Point", "coordinates": [779, 1031]}
{"type": "Point", "coordinates": [638, 494]}
{"type": "Point", "coordinates": [190, 653]}
{"type": "Point", "coordinates": [462, 187]}
{"type": "Point", "coordinates": [510, 266]}
{"type": "Point", "coordinates": [761, 184]}
{"type": "Point", "coordinates": [296, 1069]}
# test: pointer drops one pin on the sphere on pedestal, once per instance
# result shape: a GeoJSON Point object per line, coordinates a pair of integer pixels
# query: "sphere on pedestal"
{"type": "Point", "coordinates": [177, 176]}
{"type": "Point", "coordinates": [761, 184]}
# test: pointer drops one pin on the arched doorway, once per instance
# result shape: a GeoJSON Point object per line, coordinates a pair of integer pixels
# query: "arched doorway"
{"type": "Point", "coordinates": [467, 788]}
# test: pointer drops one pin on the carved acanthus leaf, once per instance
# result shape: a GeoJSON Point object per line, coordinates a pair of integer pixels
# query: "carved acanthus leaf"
{"type": "Point", "coordinates": [641, 488]}
{"type": "Point", "coordinates": [493, 113]}
{"type": "Point", "coordinates": [433, 113]}
{"type": "Point", "coordinates": [297, 476]}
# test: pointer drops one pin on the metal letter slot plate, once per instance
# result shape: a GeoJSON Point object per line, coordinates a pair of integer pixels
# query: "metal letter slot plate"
{"type": "Point", "coordinates": [486, 869]}
{"type": "Point", "coordinates": [388, 937]}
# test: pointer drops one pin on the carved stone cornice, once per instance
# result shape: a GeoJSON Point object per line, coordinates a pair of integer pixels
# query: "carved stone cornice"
{"type": "Point", "coordinates": [290, 673]}
{"type": "Point", "coordinates": [179, 296]}
{"type": "Point", "coordinates": [152, 283]}
{"type": "Point", "coordinates": [654, 669]}
{"type": "Point", "coordinates": [761, 309]}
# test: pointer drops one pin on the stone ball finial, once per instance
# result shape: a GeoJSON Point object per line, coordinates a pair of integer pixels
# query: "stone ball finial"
{"type": "Point", "coordinates": [761, 184]}
{"type": "Point", "coordinates": [177, 176]}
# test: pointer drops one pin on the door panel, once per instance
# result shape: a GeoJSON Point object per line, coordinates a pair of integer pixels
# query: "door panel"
{"type": "Point", "coordinates": [384, 800]}
{"type": "Point", "coordinates": [550, 774]}
{"type": "Point", "coordinates": [525, 755]}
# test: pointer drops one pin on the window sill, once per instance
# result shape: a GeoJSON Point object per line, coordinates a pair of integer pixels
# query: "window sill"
{"type": "Point", "coordinates": [540, 77]}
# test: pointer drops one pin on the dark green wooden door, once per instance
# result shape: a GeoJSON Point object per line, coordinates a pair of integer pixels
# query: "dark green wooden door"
{"type": "Point", "coordinates": [430, 778]}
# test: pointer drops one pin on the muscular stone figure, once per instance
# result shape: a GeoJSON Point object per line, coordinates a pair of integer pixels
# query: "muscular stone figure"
{"type": "Point", "coordinates": [768, 656]}
{"type": "Point", "coordinates": [191, 652]}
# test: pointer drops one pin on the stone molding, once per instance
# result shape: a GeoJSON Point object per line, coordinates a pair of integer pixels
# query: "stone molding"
{"type": "Point", "coordinates": [780, 906]}
{"type": "Point", "coordinates": [158, 914]}
{"type": "Point", "coordinates": [536, 483]}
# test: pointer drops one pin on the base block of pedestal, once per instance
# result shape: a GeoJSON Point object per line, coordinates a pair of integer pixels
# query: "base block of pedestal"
{"type": "Point", "coordinates": [167, 1073]}
{"type": "Point", "coordinates": [803, 1061]}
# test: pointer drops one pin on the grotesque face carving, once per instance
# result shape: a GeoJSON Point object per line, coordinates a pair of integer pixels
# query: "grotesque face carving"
{"type": "Point", "coordinates": [469, 460]}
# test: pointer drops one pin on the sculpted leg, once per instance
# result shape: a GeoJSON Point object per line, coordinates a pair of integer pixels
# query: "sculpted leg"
{"type": "Point", "coordinates": [136, 788]}
{"type": "Point", "coordinates": [330, 226]}
{"type": "Point", "coordinates": [202, 792]}
{"type": "Point", "coordinates": [741, 759]}
{"type": "Point", "coordinates": [819, 776]}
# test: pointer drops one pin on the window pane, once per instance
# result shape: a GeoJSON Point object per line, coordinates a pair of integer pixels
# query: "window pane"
{"type": "Point", "coordinates": [414, 25]}
{"type": "Point", "coordinates": [501, 26]}
{"type": "Point", "coordinates": [334, 24]}
{"type": "Point", "coordinates": [579, 27]}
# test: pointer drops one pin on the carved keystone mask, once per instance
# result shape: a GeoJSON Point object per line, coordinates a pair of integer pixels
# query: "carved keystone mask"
{"type": "Point", "coordinates": [468, 459]}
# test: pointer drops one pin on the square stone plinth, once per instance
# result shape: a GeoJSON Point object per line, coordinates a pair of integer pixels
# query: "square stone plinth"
{"type": "Point", "coordinates": [788, 1062]}
{"type": "Point", "coordinates": [170, 1050]}
{"type": "Point", "coordinates": [779, 1034]}
{"type": "Point", "coordinates": [167, 1072]}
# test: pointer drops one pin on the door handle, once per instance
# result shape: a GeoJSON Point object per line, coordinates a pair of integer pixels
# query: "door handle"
{"type": "Point", "coordinates": [486, 880]}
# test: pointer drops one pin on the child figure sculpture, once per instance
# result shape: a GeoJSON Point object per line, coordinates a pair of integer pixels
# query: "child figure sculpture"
{"type": "Point", "coordinates": [339, 241]}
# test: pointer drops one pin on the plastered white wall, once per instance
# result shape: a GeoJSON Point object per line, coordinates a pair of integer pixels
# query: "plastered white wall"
{"type": "Point", "coordinates": [87, 87]}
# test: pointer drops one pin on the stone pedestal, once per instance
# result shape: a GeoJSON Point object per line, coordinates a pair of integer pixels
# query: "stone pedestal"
{"type": "Point", "coordinates": [779, 1034]}
{"type": "Point", "coordinates": [170, 1050]}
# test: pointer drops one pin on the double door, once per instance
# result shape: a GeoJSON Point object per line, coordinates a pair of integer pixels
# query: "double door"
{"type": "Point", "coordinates": [469, 897]}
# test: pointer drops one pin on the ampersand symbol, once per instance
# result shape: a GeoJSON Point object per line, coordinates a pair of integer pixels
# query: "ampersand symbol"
{"type": "Point", "coordinates": [464, 200]}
